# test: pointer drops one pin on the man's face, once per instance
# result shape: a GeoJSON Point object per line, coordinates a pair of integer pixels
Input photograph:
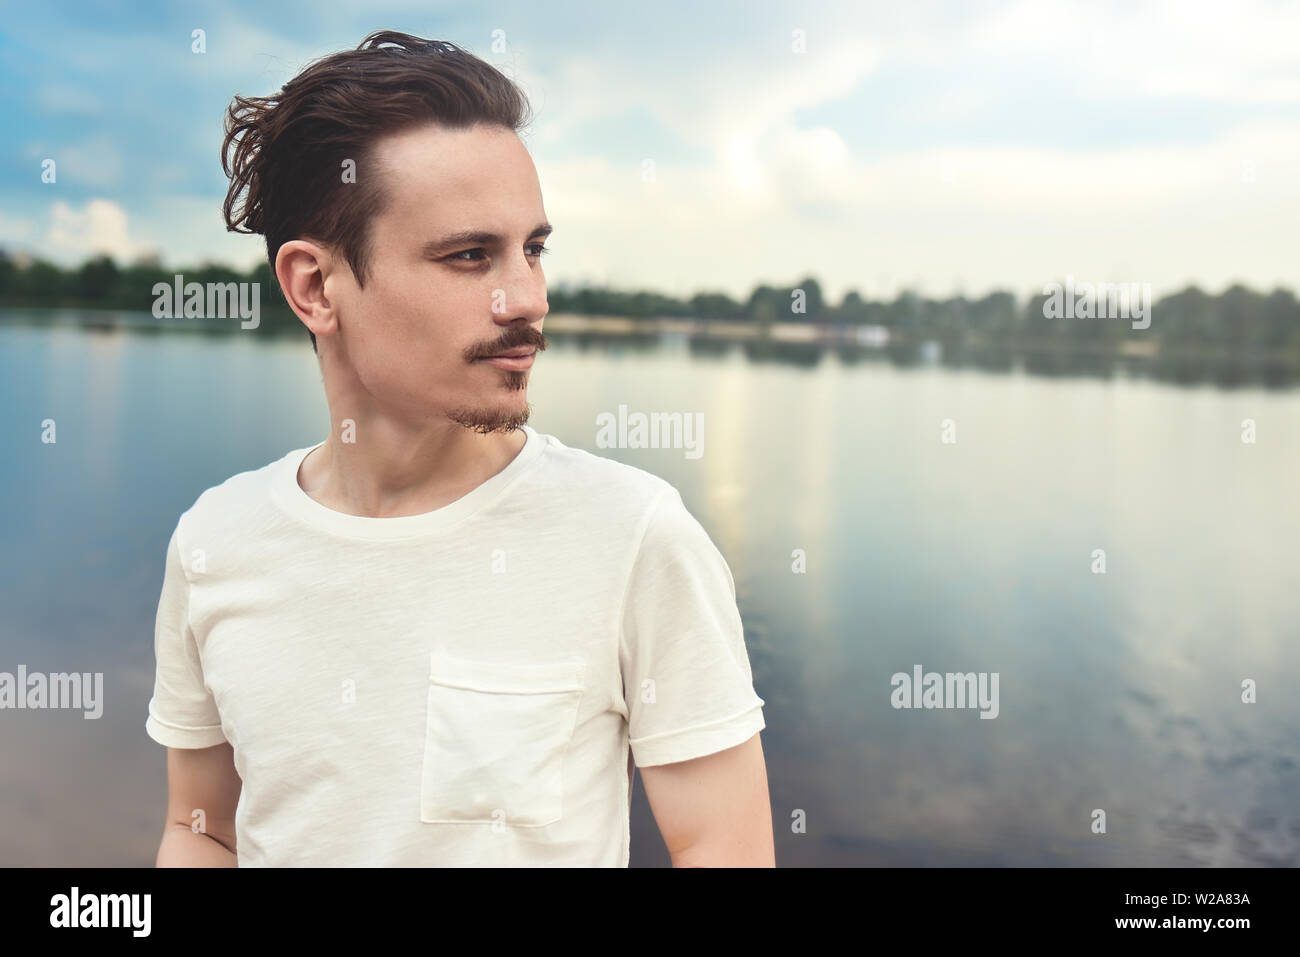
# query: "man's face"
{"type": "Point", "coordinates": [434, 307]}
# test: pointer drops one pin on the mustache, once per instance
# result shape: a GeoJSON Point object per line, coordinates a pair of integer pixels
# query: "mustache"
{"type": "Point", "coordinates": [524, 337]}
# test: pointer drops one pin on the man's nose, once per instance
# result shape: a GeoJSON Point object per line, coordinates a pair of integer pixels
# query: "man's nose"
{"type": "Point", "coordinates": [523, 292]}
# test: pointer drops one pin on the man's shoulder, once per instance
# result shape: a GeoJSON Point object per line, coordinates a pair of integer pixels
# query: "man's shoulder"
{"type": "Point", "coordinates": [597, 480]}
{"type": "Point", "coordinates": [646, 506]}
{"type": "Point", "coordinates": [241, 497]}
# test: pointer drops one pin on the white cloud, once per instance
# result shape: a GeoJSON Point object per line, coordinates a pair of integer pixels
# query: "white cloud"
{"type": "Point", "coordinates": [981, 218]}
{"type": "Point", "coordinates": [98, 227]}
{"type": "Point", "coordinates": [778, 196]}
{"type": "Point", "coordinates": [755, 183]}
{"type": "Point", "coordinates": [180, 230]}
{"type": "Point", "coordinates": [189, 229]}
{"type": "Point", "coordinates": [724, 98]}
{"type": "Point", "coordinates": [1242, 51]}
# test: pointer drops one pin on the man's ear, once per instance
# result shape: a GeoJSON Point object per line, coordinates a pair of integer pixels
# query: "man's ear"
{"type": "Point", "coordinates": [301, 268]}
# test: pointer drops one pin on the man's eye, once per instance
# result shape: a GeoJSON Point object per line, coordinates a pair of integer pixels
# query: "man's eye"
{"type": "Point", "coordinates": [540, 250]}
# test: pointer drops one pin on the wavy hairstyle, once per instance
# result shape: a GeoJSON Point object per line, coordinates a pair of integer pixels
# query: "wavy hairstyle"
{"type": "Point", "coordinates": [284, 153]}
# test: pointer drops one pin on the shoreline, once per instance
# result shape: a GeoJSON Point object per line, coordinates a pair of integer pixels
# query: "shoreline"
{"type": "Point", "coordinates": [779, 336]}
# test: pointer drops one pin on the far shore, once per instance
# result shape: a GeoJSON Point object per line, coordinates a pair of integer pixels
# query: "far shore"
{"type": "Point", "coordinates": [778, 335]}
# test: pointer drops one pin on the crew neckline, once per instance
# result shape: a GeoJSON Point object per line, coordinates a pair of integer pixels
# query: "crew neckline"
{"type": "Point", "coordinates": [292, 498]}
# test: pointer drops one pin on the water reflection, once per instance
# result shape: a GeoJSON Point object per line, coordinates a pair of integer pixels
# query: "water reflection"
{"type": "Point", "coordinates": [1119, 691]}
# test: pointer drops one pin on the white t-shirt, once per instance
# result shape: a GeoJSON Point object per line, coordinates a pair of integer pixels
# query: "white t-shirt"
{"type": "Point", "coordinates": [465, 687]}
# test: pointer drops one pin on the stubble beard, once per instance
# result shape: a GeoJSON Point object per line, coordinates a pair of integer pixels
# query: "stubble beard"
{"type": "Point", "coordinates": [486, 420]}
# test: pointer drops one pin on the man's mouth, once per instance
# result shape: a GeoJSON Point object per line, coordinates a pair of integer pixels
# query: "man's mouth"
{"type": "Point", "coordinates": [518, 360]}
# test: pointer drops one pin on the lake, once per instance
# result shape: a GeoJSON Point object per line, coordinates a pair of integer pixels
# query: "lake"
{"type": "Point", "coordinates": [1118, 691]}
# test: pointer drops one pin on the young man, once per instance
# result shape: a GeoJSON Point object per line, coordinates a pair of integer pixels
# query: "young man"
{"type": "Point", "coordinates": [438, 637]}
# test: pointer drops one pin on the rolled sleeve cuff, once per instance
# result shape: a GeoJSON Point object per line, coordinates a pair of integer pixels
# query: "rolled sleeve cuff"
{"type": "Point", "coordinates": [181, 736]}
{"type": "Point", "coordinates": [698, 741]}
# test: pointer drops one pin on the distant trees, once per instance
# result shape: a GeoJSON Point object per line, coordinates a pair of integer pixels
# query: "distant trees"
{"type": "Point", "coordinates": [98, 278]}
{"type": "Point", "coordinates": [714, 305]}
{"type": "Point", "coordinates": [1238, 321]}
{"type": "Point", "coordinates": [99, 283]}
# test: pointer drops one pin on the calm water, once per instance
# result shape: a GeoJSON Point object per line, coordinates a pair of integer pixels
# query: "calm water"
{"type": "Point", "coordinates": [1118, 691]}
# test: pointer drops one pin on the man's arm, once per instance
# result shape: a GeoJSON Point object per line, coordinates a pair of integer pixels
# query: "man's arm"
{"type": "Point", "coordinates": [200, 779]}
{"type": "Point", "coordinates": [714, 811]}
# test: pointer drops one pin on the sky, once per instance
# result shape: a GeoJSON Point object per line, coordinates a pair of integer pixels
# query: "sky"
{"type": "Point", "coordinates": [948, 148]}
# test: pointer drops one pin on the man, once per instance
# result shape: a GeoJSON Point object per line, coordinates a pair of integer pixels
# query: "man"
{"type": "Point", "coordinates": [438, 637]}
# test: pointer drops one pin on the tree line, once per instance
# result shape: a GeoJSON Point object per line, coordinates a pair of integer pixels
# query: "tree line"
{"type": "Point", "coordinates": [1238, 321]}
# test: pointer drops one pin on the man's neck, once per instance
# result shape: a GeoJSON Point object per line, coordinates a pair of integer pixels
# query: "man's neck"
{"type": "Point", "coordinates": [394, 474]}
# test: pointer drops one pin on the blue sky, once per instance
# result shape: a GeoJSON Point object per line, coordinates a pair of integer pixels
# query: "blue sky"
{"type": "Point", "coordinates": [943, 146]}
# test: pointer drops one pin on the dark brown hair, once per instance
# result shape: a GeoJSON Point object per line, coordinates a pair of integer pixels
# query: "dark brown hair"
{"type": "Point", "coordinates": [289, 148]}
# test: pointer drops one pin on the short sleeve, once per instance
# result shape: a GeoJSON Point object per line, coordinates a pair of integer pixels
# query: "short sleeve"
{"type": "Point", "coordinates": [182, 713]}
{"type": "Point", "coordinates": [686, 674]}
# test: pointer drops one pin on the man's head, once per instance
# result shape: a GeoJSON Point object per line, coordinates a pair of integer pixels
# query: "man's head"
{"type": "Point", "coordinates": [404, 222]}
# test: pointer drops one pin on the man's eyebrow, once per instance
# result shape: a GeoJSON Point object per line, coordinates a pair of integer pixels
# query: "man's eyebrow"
{"type": "Point", "coordinates": [477, 237]}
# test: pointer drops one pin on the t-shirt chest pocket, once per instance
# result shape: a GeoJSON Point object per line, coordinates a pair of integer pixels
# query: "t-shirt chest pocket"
{"type": "Point", "coordinates": [496, 736]}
